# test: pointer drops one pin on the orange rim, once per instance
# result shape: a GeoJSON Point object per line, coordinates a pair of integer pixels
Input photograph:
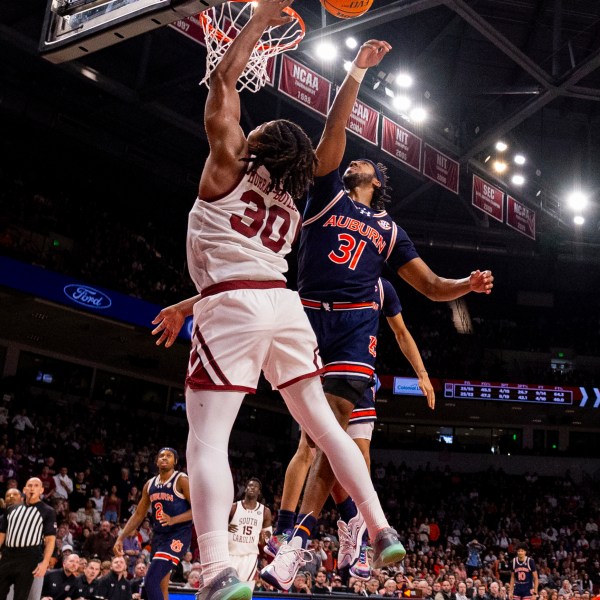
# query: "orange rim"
{"type": "Point", "coordinates": [221, 36]}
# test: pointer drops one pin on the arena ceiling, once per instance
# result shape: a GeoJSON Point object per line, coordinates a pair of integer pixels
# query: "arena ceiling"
{"type": "Point", "coordinates": [526, 71]}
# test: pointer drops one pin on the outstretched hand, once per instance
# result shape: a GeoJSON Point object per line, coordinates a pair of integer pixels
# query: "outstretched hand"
{"type": "Point", "coordinates": [272, 12]}
{"type": "Point", "coordinates": [481, 282]}
{"type": "Point", "coordinates": [371, 53]}
{"type": "Point", "coordinates": [170, 321]}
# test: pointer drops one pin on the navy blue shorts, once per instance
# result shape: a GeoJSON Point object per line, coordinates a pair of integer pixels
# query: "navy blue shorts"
{"type": "Point", "coordinates": [347, 341]}
{"type": "Point", "coordinates": [172, 546]}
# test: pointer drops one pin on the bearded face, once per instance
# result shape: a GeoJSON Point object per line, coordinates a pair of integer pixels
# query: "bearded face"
{"type": "Point", "coordinates": [354, 180]}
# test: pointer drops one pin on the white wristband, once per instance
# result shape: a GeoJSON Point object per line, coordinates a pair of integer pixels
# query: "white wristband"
{"type": "Point", "coordinates": [357, 73]}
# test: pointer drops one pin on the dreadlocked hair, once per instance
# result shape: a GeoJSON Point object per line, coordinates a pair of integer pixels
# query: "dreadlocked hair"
{"type": "Point", "coordinates": [381, 194]}
{"type": "Point", "coordinates": [288, 154]}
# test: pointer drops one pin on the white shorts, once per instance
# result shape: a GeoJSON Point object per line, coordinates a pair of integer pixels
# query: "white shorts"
{"type": "Point", "coordinates": [361, 431]}
{"type": "Point", "coordinates": [245, 565]}
{"type": "Point", "coordinates": [240, 332]}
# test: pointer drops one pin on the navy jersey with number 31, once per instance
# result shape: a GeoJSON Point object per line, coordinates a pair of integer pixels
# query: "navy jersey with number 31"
{"type": "Point", "coordinates": [344, 244]}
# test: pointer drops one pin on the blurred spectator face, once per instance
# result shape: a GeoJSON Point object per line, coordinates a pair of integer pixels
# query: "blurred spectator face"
{"type": "Point", "coordinates": [437, 587]}
{"type": "Point", "coordinates": [462, 588]}
{"type": "Point", "coordinates": [118, 565]}
{"type": "Point", "coordinates": [300, 581]}
{"type": "Point", "coordinates": [92, 570]}
{"type": "Point", "coordinates": [481, 590]}
{"type": "Point", "coordinates": [372, 585]}
{"type": "Point", "coordinates": [446, 587]}
{"type": "Point", "coordinates": [82, 565]}
{"type": "Point", "coordinates": [71, 563]}
{"type": "Point", "coordinates": [140, 570]}
{"type": "Point", "coordinates": [105, 528]}
{"type": "Point", "coordinates": [337, 581]}
{"type": "Point", "coordinates": [494, 588]}
{"type": "Point", "coordinates": [320, 578]}
{"type": "Point", "coordinates": [194, 579]}
{"type": "Point", "coordinates": [12, 497]}
{"type": "Point", "coordinates": [390, 587]}
{"type": "Point", "coordinates": [105, 568]}
{"type": "Point", "coordinates": [187, 557]}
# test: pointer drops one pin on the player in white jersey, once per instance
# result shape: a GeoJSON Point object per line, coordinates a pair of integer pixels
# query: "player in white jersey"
{"type": "Point", "coordinates": [246, 320]}
{"type": "Point", "coordinates": [249, 528]}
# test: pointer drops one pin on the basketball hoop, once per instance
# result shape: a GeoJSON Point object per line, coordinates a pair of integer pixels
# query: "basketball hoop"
{"type": "Point", "coordinates": [221, 24]}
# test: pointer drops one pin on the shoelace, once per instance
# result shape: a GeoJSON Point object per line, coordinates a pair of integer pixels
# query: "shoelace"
{"type": "Point", "coordinates": [288, 555]}
{"type": "Point", "coordinates": [345, 535]}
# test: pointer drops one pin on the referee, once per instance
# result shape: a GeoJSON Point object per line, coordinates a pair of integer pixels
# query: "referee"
{"type": "Point", "coordinates": [27, 536]}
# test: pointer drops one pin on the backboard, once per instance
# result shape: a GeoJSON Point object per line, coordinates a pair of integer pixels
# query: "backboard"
{"type": "Point", "coordinates": [74, 28]}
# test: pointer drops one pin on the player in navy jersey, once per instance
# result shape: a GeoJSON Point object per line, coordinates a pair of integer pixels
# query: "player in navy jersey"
{"type": "Point", "coordinates": [360, 428]}
{"type": "Point", "coordinates": [524, 577]}
{"type": "Point", "coordinates": [168, 497]}
{"type": "Point", "coordinates": [346, 238]}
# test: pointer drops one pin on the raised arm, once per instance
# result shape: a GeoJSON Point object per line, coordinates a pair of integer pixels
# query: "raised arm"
{"type": "Point", "coordinates": [409, 348]}
{"type": "Point", "coordinates": [330, 150]}
{"type": "Point", "coordinates": [222, 111]}
{"type": "Point", "coordinates": [423, 279]}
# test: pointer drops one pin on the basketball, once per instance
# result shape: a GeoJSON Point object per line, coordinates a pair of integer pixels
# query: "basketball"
{"type": "Point", "coordinates": [346, 9]}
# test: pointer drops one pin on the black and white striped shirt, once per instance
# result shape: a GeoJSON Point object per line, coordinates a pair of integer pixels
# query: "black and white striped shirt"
{"type": "Point", "coordinates": [26, 525]}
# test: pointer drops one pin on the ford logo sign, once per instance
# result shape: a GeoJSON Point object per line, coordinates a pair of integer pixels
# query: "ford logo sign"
{"type": "Point", "coordinates": [87, 296]}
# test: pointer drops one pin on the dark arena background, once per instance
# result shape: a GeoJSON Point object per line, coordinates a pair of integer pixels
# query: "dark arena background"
{"type": "Point", "coordinates": [102, 145]}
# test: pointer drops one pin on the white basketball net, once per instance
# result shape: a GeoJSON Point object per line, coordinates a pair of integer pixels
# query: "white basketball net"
{"type": "Point", "coordinates": [221, 24]}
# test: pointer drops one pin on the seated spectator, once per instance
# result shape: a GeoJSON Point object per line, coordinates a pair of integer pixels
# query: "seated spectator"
{"type": "Point", "coordinates": [100, 544]}
{"type": "Point", "coordinates": [86, 583]}
{"type": "Point", "coordinates": [193, 581]}
{"type": "Point", "coordinates": [88, 512]}
{"type": "Point", "coordinates": [58, 582]}
{"type": "Point", "coordinates": [115, 585]}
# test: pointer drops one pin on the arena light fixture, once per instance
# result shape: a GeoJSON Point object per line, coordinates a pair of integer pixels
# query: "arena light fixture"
{"type": "Point", "coordinates": [577, 200]}
{"type": "Point", "coordinates": [326, 51]}
{"type": "Point", "coordinates": [389, 93]}
{"type": "Point", "coordinates": [578, 220]}
{"type": "Point", "coordinates": [519, 159]}
{"type": "Point", "coordinates": [501, 146]}
{"type": "Point", "coordinates": [347, 65]}
{"type": "Point", "coordinates": [402, 103]}
{"type": "Point", "coordinates": [404, 80]}
{"type": "Point", "coordinates": [351, 43]}
{"type": "Point", "coordinates": [418, 114]}
{"type": "Point", "coordinates": [499, 166]}
{"type": "Point", "coordinates": [518, 179]}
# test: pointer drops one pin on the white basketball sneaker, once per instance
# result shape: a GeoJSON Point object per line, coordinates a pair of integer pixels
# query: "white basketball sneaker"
{"type": "Point", "coordinates": [290, 557]}
{"type": "Point", "coordinates": [350, 536]}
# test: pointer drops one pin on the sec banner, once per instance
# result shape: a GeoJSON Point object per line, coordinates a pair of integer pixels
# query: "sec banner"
{"type": "Point", "coordinates": [520, 217]}
{"type": "Point", "coordinates": [488, 198]}
{"type": "Point", "coordinates": [304, 85]}
{"type": "Point", "coordinates": [401, 144]}
{"type": "Point", "coordinates": [441, 168]}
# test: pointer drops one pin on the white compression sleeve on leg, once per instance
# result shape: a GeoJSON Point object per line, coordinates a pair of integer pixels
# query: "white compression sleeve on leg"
{"type": "Point", "coordinates": [308, 405]}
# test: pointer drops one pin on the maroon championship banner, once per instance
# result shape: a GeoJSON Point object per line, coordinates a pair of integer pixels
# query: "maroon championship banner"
{"type": "Point", "coordinates": [401, 144]}
{"type": "Point", "coordinates": [191, 28]}
{"type": "Point", "coordinates": [364, 122]}
{"type": "Point", "coordinates": [488, 198]}
{"type": "Point", "coordinates": [441, 168]}
{"type": "Point", "coordinates": [519, 217]}
{"type": "Point", "coordinates": [304, 85]}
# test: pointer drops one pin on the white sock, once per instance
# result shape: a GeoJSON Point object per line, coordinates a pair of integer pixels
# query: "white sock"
{"type": "Point", "coordinates": [373, 513]}
{"type": "Point", "coordinates": [214, 554]}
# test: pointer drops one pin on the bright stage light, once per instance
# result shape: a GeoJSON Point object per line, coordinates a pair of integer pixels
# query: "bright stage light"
{"type": "Point", "coordinates": [326, 51]}
{"type": "Point", "coordinates": [501, 146]}
{"type": "Point", "coordinates": [577, 200]}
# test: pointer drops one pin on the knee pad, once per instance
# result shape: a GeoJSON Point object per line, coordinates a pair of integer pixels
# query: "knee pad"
{"type": "Point", "coordinates": [349, 389]}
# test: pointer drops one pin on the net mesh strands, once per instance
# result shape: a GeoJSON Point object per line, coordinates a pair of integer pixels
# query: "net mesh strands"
{"type": "Point", "coordinates": [221, 24]}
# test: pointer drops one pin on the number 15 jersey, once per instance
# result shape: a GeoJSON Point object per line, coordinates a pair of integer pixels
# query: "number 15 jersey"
{"type": "Point", "coordinates": [244, 234]}
{"type": "Point", "coordinates": [344, 244]}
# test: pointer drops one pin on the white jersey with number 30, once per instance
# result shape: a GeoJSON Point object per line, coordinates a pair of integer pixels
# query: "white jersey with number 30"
{"type": "Point", "coordinates": [244, 234]}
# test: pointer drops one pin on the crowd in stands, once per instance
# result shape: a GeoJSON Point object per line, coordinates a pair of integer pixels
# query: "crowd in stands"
{"type": "Point", "coordinates": [93, 464]}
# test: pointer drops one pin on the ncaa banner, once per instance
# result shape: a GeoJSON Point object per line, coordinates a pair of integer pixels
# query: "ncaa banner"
{"type": "Point", "coordinates": [364, 122]}
{"type": "Point", "coordinates": [401, 144]}
{"type": "Point", "coordinates": [191, 28]}
{"type": "Point", "coordinates": [441, 168]}
{"type": "Point", "coordinates": [519, 217]}
{"type": "Point", "coordinates": [488, 198]}
{"type": "Point", "coordinates": [304, 85]}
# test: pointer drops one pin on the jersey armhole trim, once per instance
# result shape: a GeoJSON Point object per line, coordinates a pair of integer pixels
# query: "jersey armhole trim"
{"type": "Point", "coordinates": [337, 197]}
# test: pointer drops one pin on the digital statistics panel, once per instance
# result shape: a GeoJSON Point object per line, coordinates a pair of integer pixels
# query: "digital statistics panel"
{"type": "Point", "coordinates": [513, 392]}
